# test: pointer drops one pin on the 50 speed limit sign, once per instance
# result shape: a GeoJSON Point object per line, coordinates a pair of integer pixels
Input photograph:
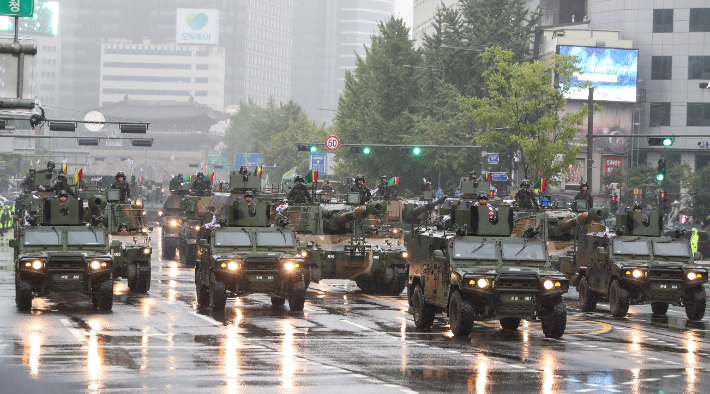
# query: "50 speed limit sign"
{"type": "Point", "coordinates": [332, 142]}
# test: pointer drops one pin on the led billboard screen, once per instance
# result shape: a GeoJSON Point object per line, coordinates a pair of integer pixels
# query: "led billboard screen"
{"type": "Point", "coordinates": [197, 26]}
{"type": "Point", "coordinates": [612, 71]}
{"type": "Point", "coordinates": [45, 20]}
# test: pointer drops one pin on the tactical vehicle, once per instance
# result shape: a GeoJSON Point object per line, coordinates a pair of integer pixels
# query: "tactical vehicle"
{"type": "Point", "coordinates": [59, 253]}
{"type": "Point", "coordinates": [170, 216]}
{"type": "Point", "coordinates": [471, 267]}
{"type": "Point", "coordinates": [243, 254]}
{"type": "Point", "coordinates": [193, 208]}
{"type": "Point", "coordinates": [348, 241]}
{"type": "Point", "coordinates": [636, 265]}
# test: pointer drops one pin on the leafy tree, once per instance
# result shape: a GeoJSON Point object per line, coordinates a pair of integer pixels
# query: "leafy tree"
{"type": "Point", "coordinates": [237, 137]}
{"type": "Point", "coordinates": [282, 150]}
{"type": "Point", "coordinates": [10, 170]}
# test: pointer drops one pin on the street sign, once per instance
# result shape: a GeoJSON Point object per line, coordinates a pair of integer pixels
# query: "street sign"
{"type": "Point", "coordinates": [22, 8]}
{"type": "Point", "coordinates": [332, 142]}
{"type": "Point", "coordinates": [499, 177]}
{"type": "Point", "coordinates": [248, 159]}
{"type": "Point", "coordinates": [493, 159]}
{"type": "Point", "coordinates": [318, 162]}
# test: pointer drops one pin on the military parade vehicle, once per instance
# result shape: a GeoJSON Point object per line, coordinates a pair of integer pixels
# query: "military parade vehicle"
{"type": "Point", "coordinates": [242, 254]}
{"type": "Point", "coordinates": [193, 207]}
{"type": "Point", "coordinates": [59, 252]}
{"type": "Point", "coordinates": [170, 216]}
{"type": "Point", "coordinates": [472, 268]}
{"type": "Point", "coordinates": [636, 265]}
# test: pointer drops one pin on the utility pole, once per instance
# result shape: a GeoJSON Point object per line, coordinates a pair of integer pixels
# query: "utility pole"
{"type": "Point", "coordinates": [590, 139]}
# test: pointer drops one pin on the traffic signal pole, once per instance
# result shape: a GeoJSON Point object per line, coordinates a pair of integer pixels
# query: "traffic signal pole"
{"type": "Point", "coordinates": [590, 139]}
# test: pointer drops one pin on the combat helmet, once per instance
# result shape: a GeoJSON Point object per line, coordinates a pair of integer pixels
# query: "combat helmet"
{"type": "Point", "coordinates": [637, 205]}
{"type": "Point", "coordinates": [583, 184]}
{"type": "Point", "coordinates": [248, 193]}
{"type": "Point", "coordinates": [50, 163]}
{"type": "Point", "coordinates": [120, 174]}
{"type": "Point", "coordinates": [525, 183]}
{"type": "Point", "coordinates": [359, 177]}
{"type": "Point", "coordinates": [482, 195]}
{"type": "Point", "coordinates": [62, 177]}
{"type": "Point", "coordinates": [62, 193]}
{"type": "Point", "coordinates": [122, 225]}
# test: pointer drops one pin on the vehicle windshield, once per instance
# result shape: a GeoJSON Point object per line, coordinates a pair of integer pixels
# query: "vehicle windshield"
{"type": "Point", "coordinates": [523, 251]}
{"type": "Point", "coordinates": [483, 250]}
{"type": "Point", "coordinates": [671, 248]}
{"type": "Point", "coordinates": [637, 247]}
{"type": "Point", "coordinates": [85, 237]}
{"type": "Point", "coordinates": [274, 238]}
{"type": "Point", "coordinates": [43, 237]}
{"type": "Point", "coordinates": [231, 238]}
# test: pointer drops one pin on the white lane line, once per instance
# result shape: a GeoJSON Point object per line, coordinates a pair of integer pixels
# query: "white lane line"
{"type": "Point", "coordinates": [357, 325]}
{"type": "Point", "coordinates": [408, 391]}
{"type": "Point", "coordinates": [209, 319]}
{"type": "Point", "coordinates": [374, 380]}
{"type": "Point", "coordinates": [517, 366]}
{"type": "Point", "coordinates": [671, 376]}
{"type": "Point", "coordinates": [78, 335]}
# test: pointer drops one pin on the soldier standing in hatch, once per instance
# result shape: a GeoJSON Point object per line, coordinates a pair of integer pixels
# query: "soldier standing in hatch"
{"type": "Point", "coordinates": [121, 184]}
{"type": "Point", "coordinates": [327, 187]}
{"type": "Point", "coordinates": [359, 187]}
{"type": "Point", "coordinates": [524, 197]}
{"type": "Point", "coordinates": [584, 194]}
{"type": "Point", "coordinates": [29, 182]}
{"type": "Point", "coordinates": [483, 202]}
{"type": "Point", "coordinates": [61, 185]}
{"type": "Point", "coordinates": [298, 192]}
{"type": "Point", "coordinates": [49, 170]}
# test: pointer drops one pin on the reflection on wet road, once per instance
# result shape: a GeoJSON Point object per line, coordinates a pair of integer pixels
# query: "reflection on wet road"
{"type": "Point", "coordinates": [343, 341]}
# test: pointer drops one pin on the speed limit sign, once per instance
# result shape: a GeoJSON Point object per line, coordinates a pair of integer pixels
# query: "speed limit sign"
{"type": "Point", "coordinates": [332, 142]}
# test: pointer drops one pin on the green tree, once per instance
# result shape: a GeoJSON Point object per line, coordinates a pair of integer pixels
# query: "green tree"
{"type": "Point", "coordinates": [237, 137]}
{"type": "Point", "coordinates": [282, 150]}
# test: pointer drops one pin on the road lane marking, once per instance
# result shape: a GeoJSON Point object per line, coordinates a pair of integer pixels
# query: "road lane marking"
{"type": "Point", "coordinates": [209, 319]}
{"type": "Point", "coordinates": [76, 333]}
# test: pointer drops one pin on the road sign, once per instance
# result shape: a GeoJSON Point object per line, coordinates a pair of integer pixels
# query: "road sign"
{"type": "Point", "coordinates": [248, 159]}
{"type": "Point", "coordinates": [499, 177]}
{"type": "Point", "coordinates": [23, 8]}
{"type": "Point", "coordinates": [332, 142]}
{"type": "Point", "coordinates": [493, 159]}
{"type": "Point", "coordinates": [318, 162]}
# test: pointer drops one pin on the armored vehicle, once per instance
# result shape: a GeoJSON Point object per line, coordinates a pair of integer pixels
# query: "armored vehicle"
{"type": "Point", "coordinates": [59, 253]}
{"type": "Point", "coordinates": [193, 207]}
{"type": "Point", "coordinates": [472, 268]}
{"type": "Point", "coordinates": [170, 216]}
{"type": "Point", "coordinates": [243, 254]}
{"type": "Point", "coordinates": [637, 265]}
{"type": "Point", "coordinates": [347, 241]}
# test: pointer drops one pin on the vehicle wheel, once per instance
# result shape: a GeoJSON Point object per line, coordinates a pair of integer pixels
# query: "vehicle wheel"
{"type": "Point", "coordinates": [695, 303]}
{"type": "Point", "coordinates": [659, 308]}
{"type": "Point", "coordinates": [422, 313]}
{"type": "Point", "coordinates": [618, 299]}
{"type": "Point", "coordinates": [460, 315]}
{"type": "Point", "coordinates": [190, 255]}
{"type": "Point", "coordinates": [554, 321]}
{"type": "Point", "coordinates": [587, 297]}
{"type": "Point", "coordinates": [366, 285]}
{"type": "Point", "coordinates": [23, 296]}
{"type": "Point", "coordinates": [140, 283]}
{"type": "Point", "coordinates": [394, 286]}
{"type": "Point", "coordinates": [297, 297]}
{"type": "Point", "coordinates": [510, 323]}
{"type": "Point", "coordinates": [307, 277]}
{"type": "Point", "coordinates": [203, 293]}
{"type": "Point", "coordinates": [278, 301]}
{"type": "Point", "coordinates": [104, 295]}
{"type": "Point", "coordinates": [168, 249]}
{"type": "Point", "coordinates": [218, 294]}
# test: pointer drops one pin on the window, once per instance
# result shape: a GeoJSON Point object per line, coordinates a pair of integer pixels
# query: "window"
{"type": "Point", "coordinates": [148, 65]}
{"type": "Point", "coordinates": [147, 92]}
{"type": "Point", "coordinates": [136, 78]}
{"type": "Point", "coordinates": [663, 21]}
{"type": "Point", "coordinates": [54, 49]}
{"type": "Point", "coordinates": [200, 80]}
{"type": "Point", "coordinates": [201, 67]}
{"type": "Point", "coordinates": [699, 19]}
{"type": "Point", "coordinates": [698, 67]}
{"type": "Point", "coordinates": [661, 67]}
{"type": "Point", "coordinates": [54, 62]}
{"type": "Point", "coordinates": [698, 114]}
{"type": "Point", "coordinates": [660, 114]}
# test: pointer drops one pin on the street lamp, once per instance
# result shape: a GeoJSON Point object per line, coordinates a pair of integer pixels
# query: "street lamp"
{"type": "Point", "coordinates": [442, 69]}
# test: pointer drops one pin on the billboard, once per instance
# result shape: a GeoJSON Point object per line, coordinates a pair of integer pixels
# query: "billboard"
{"type": "Point", "coordinates": [612, 71]}
{"type": "Point", "coordinates": [45, 20]}
{"type": "Point", "coordinates": [614, 122]}
{"type": "Point", "coordinates": [197, 26]}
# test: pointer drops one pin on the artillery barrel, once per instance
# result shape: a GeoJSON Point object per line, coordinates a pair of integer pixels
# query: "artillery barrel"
{"type": "Point", "coordinates": [361, 212]}
{"type": "Point", "coordinates": [428, 206]}
{"type": "Point", "coordinates": [97, 202]}
{"type": "Point", "coordinates": [584, 219]}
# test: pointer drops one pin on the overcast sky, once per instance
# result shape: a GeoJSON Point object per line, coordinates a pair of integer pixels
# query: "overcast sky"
{"type": "Point", "coordinates": [405, 9]}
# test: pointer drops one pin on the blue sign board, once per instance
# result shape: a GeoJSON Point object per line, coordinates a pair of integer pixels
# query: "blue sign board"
{"type": "Point", "coordinates": [251, 160]}
{"type": "Point", "coordinates": [499, 177]}
{"type": "Point", "coordinates": [317, 162]}
{"type": "Point", "coordinates": [493, 159]}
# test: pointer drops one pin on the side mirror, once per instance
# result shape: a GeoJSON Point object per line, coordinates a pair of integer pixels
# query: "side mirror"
{"type": "Point", "coordinates": [696, 255]}
{"type": "Point", "coordinates": [601, 250]}
{"type": "Point", "coordinates": [439, 256]}
{"type": "Point", "coordinates": [203, 243]}
{"type": "Point", "coordinates": [116, 244]}
{"type": "Point", "coordinates": [12, 242]}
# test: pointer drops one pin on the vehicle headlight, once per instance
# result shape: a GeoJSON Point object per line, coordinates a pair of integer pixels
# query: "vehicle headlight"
{"type": "Point", "coordinates": [637, 274]}
{"type": "Point", "coordinates": [403, 255]}
{"type": "Point", "coordinates": [173, 223]}
{"type": "Point", "coordinates": [197, 228]}
{"type": "Point", "coordinates": [37, 264]}
{"type": "Point", "coordinates": [95, 265]}
{"type": "Point", "coordinates": [145, 213]}
{"type": "Point", "coordinates": [146, 250]}
{"type": "Point", "coordinates": [139, 203]}
{"type": "Point", "coordinates": [482, 283]}
{"type": "Point", "coordinates": [694, 275]}
{"type": "Point", "coordinates": [232, 265]}
{"type": "Point", "coordinates": [160, 213]}
{"type": "Point", "coordinates": [548, 284]}
{"type": "Point", "coordinates": [289, 266]}
{"type": "Point", "coordinates": [305, 254]}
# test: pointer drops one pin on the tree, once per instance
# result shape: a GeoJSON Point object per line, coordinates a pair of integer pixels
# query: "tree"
{"type": "Point", "coordinates": [281, 149]}
{"type": "Point", "coordinates": [525, 109]}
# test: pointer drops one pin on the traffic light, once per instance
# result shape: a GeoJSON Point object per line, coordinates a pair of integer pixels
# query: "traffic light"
{"type": "Point", "coordinates": [662, 201]}
{"type": "Point", "coordinates": [661, 174]}
{"type": "Point", "coordinates": [660, 141]}
{"type": "Point", "coordinates": [365, 150]}
{"type": "Point", "coordinates": [416, 151]}
{"type": "Point", "coordinates": [614, 204]}
{"type": "Point", "coordinates": [308, 148]}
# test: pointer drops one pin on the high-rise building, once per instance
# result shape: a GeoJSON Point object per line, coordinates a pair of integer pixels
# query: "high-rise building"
{"type": "Point", "coordinates": [327, 34]}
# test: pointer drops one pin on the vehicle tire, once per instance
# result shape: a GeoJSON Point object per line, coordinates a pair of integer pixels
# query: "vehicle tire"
{"type": "Point", "coordinates": [297, 297]}
{"type": "Point", "coordinates": [365, 285]}
{"type": "Point", "coordinates": [587, 297]}
{"type": "Point", "coordinates": [659, 308]}
{"type": "Point", "coordinates": [510, 323]}
{"type": "Point", "coordinates": [278, 301]}
{"type": "Point", "coordinates": [460, 315]}
{"type": "Point", "coordinates": [554, 321]}
{"type": "Point", "coordinates": [140, 283]}
{"type": "Point", "coordinates": [104, 295]}
{"type": "Point", "coordinates": [169, 248]}
{"type": "Point", "coordinates": [393, 287]}
{"type": "Point", "coordinates": [307, 277]}
{"type": "Point", "coordinates": [618, 299]}
{"type": "Point", "coordinates": [23, 296]}
{"type": "Point", "coordinates": [217, 294]}
{"type": "Point", "coordinates": [422, 313]}
{"type": "Point", "coordinates": [203, 293]}
{"type": "Point", "coordinates": [190, 255]}
{"type": "Point", "coordinates": [694, 301]}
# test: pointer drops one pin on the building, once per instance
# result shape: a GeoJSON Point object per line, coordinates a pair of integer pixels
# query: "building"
{"type": "Point", "coordinates": [162, 72]}
{"type": "Point", "coordinates": [327, 34]}
{"type": "Point", "coordinates": [424, 11]}
{"type": "Point", "coordinates": [48, 62]}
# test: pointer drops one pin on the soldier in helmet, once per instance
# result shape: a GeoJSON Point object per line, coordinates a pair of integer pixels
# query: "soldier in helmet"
{"type": "Point", "coordinates": [298, 192]}
{"type": "Point", "coordinates": [637, 207]}
{"type": "Point", "coordinates": [49, 170]}
{"type": "Point", "coordinates": [426, 186]}
{"type": "Point", "coordinates": [327, 187]}
{"type": "Point", "coordinates": [525, 197]}
{"type": "Point", "coordinates": [359, 187]}
{"type": "Point", "coordinates": [62, 185]}
{"type": "Point", "coordinates": [122, 228]}
{"type": "Point", "coordinates": [121, 184]}
{"type": "Point", "coordinates": [63, 205]}
{"type": "Point", "coordinates": [584, 194]}
{"type": "Point", "coordinates": [483, 202]}
{"type": "Point", "coordinates": [249, 198]}
{"type": "Point", "coordinates": [472, 177]}
{"type": "Point", "coordinates": [29, 182]}
{"type": "Point", "coordinates": [383, 187]}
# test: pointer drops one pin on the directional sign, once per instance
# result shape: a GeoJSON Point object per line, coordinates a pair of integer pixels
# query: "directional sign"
{"type": "Point", "coordinates": [318, 162]}
{"type": "Point", "coordinates": [499, 177]}
{"type": "Point", "coordinates": [250, 160]}
{"type": "Point", "coordinates": [17, 7]}
{"type": "Point", "coordinates": [332, 142]}
{"type": "Point", "coordinates": [493, 159]}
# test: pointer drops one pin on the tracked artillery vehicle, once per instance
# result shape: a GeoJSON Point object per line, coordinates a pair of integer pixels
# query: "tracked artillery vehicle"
{"type": "Point", "coordinates": [170, 216]}
{"type": "Point", "coordinates": [193, 208]}
{"type": "Point", "coordinates": [473, 268]}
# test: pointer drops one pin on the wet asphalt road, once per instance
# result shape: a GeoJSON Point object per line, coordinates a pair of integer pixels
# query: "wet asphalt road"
{"type": "Point", "coordinates": [343, 342]}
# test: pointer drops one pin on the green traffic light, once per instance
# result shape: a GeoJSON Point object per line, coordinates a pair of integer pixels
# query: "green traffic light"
{"type": "Point", "coordinates": [314, 149]}
{"type": "Point", "coordinates": [660, 177]}
{"type": "Point", "coordinates": [366, 150]}
{"type": "Point", "coordinates": [416, 150]}
{"type": "Point", "coordinates": [667, 141]}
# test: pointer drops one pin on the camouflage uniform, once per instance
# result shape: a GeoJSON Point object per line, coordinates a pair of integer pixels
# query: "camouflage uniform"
{"type": "Point", "coordinates": [585, 195]}
{"type": "Point", "coordinates": [525, 198]}
{"type": "Point", "coordinates": [299, 193]}
{"type": "Point", "coordinates": [364, 192]}
{"type": "Point", "coordinates": [125, 189]}
{"type": "Point", "coordinates": [60, 185]}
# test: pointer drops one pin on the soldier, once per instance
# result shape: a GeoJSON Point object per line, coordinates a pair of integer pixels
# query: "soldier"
{"type": "Point", "coordinates": [61, 185]}
{"type": "Point", "coordinates": [298, 192]}
{"type": "Point", "coordinates": [584, 194]}
{"type": "Point", "coordinates": [383, 186]}
{"type": "Point", "coordinates": [28, 182]}
{"type": "Point", "coordinates": [426, 186]}
{"type": "Point", "coordinates": [122, 228]}
{"type": "Point", "coordinates": [249, 198]}
{"type": "Point", "coordinates": [524, 197]}
{"type": "Point", "coordinates": [121, 184]}
{"type": "Point", "coordinates": [483, 202]}
{"type": "Point", "coordinates": [327, 187]}
{"type": "Point", "coordinates": [49, 170]}
{"type": "Point", "coordinates": [360, 188]}
{"type": "Point", "coordinates": [472, 177]}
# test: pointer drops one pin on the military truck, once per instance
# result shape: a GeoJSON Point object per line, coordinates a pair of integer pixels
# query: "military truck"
{"type": "Point", "coordinates": [193, 207]}
{"type": "Point", "coordinates": [61, 253]}
{"type": "Point", "coordinates": [243, 254]}
{"type": "Point", "coordinates": [636, 265]}
{"type": "Point", "coordinates": [471, 267]}
{"type": "Point", "coordinates": [170, 216]}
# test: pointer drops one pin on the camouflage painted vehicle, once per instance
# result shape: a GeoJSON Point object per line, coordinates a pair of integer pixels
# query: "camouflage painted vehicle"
{"type": "Point", "coordinates": [472, 268]}
{"type": "Point", "coordinates": [243, 254]}
{"type": "Point", "coordinates": [193, 208]}
{"type": "Point", "coordinates": [60, 253]}
{"type": "Point", "coordinates": [348, 241]}
{"type": "Point", "coordinates": [170, 217]}
{"type": "Point", "coordinates": [638, 266]}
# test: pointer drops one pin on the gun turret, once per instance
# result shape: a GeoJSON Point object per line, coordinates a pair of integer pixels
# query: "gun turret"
{"type": "Point", "coordinates": [428, 206]}
{"type": "Point", "coordinates": [361, 212]}
{"type": "Point", "coordinates": [583, 219]}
